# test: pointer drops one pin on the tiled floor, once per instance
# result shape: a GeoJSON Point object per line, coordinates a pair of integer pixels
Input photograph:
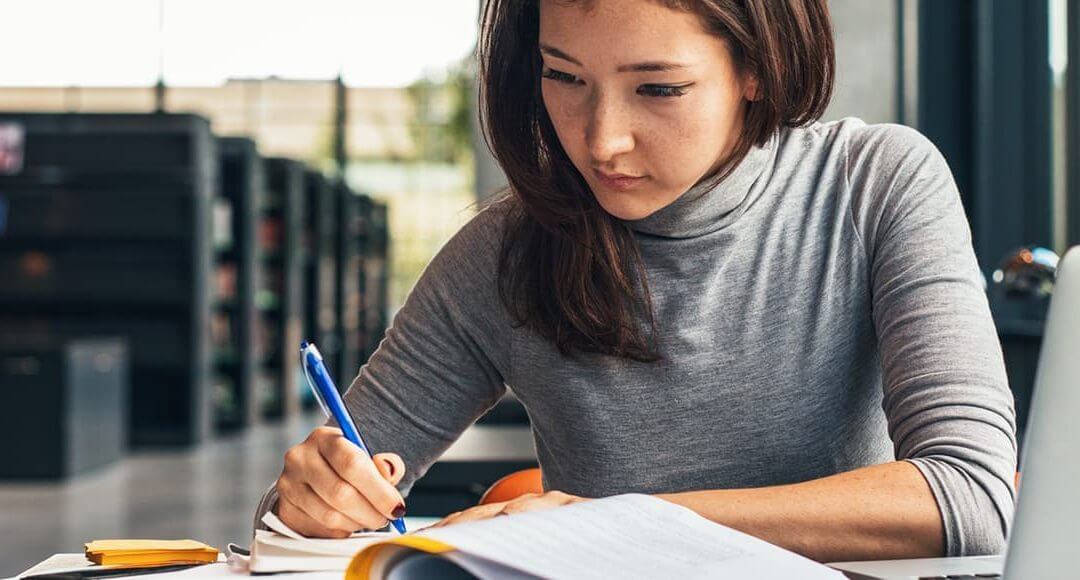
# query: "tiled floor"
{"type": "Point", "coordinates": [208, 494]}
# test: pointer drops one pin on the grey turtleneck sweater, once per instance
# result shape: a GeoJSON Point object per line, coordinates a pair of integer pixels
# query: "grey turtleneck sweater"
{"type": "Point", "coordinates": [820, 310]}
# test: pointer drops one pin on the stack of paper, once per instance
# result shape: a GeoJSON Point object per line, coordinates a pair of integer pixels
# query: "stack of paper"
{"type": "Point", "coordinates": [149, 552]}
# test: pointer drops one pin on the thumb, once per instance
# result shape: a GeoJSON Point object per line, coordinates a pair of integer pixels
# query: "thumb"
{"type": "Point", "coordinates": [390, 466]}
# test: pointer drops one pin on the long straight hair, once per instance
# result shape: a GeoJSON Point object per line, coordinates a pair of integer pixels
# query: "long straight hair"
{"type": "Point", "coordinates": [567, 269]}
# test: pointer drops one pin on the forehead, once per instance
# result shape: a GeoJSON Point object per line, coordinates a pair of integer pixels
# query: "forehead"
{"type": "Point", "coordinates": [618, 31]}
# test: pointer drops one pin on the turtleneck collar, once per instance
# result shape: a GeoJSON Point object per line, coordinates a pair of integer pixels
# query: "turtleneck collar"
{"type": "Point", "coordinates": [702, 210]}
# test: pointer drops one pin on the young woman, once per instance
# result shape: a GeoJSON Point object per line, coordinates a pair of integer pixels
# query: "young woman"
{"type": "Point", "coordinates": [698, 292]}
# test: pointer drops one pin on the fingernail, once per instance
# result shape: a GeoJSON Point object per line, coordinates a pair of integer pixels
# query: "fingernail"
{"type": "Point", "coordinates": [399, 511]}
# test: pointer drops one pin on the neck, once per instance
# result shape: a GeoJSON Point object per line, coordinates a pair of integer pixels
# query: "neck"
{"type": "Point", "coordinates": [711, 205]}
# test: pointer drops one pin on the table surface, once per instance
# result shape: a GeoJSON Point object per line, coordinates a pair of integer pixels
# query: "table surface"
{"type": "Point", "coordinates": [219, 570]}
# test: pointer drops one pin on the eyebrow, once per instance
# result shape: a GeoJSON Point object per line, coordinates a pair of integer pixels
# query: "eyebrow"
{"type": "Point", "coordinates": [650, 66]}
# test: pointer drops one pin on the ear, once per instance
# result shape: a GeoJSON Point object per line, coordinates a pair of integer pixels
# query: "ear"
{"type": "Point", "coordinates": [751, 88]}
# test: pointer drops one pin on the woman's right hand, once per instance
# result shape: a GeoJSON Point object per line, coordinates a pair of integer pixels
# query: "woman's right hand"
{"type": "Point", "coordinates": [330, 488]}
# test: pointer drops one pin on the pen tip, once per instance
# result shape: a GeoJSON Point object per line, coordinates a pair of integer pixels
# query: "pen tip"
{"type": "Point", "coordinates": [399, 525]}
{"type": "Point", "coordinates": [303, 344]}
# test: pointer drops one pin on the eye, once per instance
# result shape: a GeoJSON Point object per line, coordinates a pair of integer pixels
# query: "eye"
{"type": "Point", "coordinates": [663, 90]}
{"type": "Point", "coordinates": [560, 76]}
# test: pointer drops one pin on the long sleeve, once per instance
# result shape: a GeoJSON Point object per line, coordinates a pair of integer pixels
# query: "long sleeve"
{"type": "Point", "coordinates": [443, 360]}
{"type": "Point", "coordinates": [946, 396]}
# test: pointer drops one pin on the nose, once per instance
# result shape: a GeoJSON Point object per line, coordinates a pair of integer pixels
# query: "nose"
{"type": "Point", "coordinates": [609, 131]}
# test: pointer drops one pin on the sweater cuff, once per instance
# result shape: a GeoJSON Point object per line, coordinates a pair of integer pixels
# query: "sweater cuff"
{"type": "Point", "coordinates": [976, 509]}
{"type": "Point", "coordinates": [268, 503]}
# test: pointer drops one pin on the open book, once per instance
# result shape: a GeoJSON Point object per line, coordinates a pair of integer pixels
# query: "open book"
{"type": "Point", "coordinates": [624, 536]}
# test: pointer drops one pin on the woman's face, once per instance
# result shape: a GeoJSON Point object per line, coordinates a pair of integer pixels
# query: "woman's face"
{"type": "Point", "coordinates": [645, 101]}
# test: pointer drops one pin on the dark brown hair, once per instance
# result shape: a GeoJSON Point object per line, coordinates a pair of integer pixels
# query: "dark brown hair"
{"type": "Point", "coordinates": [567, 268]}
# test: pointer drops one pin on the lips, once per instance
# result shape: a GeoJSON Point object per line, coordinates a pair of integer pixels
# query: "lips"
{"type": "Point", "coordinates": [619, 181]}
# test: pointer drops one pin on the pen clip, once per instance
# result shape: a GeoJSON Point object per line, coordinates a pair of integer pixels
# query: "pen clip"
{"type": "Point", "coordinates": [311, 381]}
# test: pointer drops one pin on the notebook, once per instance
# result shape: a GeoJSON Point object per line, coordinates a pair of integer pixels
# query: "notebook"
{"type": "Point", "coordinates": [624, 536]}
{"type": "Point", "coordinates": [281, 549]}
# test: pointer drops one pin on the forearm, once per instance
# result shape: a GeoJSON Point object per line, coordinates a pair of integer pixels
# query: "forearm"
{"type": "Point", "coordinates": [877, 512]}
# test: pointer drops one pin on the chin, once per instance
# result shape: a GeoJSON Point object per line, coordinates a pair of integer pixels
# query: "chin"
{"type": "Point", "coordinates": [623, 210]}
{"type": "Point", "coordinates": [626, 207]}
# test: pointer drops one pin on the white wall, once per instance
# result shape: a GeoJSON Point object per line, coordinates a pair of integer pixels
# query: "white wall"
{"type": "Point", "coordinates": [866, 60]}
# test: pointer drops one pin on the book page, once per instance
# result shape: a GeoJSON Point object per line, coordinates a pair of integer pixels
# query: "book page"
{"type": "Point", "coordinates": [632, 535]}
{"type": "Point", "coordinates": [288, 539]}
{"type": "Point", "coordinates": [344, 547]}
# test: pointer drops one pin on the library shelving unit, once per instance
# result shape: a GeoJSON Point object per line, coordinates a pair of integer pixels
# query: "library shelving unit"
{"type": "Point", "coordinates": [280, 291]}
{"type": "Point", "coordinates": [71, 395]}
{"type": "Point", "coordinates": [376, 281]}
{"type": "Point", "coordinates": [234, 317]}
{"type": "Point", "coordinates": [320, 243]}
{"type": "Point", "coordinates": [107, 233]}
{"type": "Point", "coordinates": [352, 230]}
{"type": "Point", "coordinates": [363, 278]}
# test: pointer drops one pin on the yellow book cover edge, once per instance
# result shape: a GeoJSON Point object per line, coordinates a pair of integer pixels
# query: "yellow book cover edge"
{"type": "Point", "coordinates": [362, 563]}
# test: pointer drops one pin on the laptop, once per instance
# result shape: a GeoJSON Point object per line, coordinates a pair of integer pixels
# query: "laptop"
{"type": "Point", "coordinates": [1043, 543]}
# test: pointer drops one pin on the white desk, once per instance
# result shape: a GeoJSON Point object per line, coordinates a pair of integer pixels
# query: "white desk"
{"type": "Point", "coordinates": [219, 571]}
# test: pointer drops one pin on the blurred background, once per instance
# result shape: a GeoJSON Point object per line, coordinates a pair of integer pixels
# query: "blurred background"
{"type": "Point", "coordinates": [189, 188]}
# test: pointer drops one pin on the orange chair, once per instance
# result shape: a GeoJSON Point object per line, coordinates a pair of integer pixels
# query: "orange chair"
{"type": "Point", "coordinates": [514, 485]}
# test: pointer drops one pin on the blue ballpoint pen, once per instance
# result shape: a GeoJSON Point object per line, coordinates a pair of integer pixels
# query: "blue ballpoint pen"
{"type": "Point", "coordinates": [327, 394]}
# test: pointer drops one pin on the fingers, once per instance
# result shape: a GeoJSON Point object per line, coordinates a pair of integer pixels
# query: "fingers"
{"type": "Point", "coordinates": [390, 466]}
{"type": "Point", "coordinates": [526, 503]}
{"type": "Point", "coordinates": [313, 518]}
{"type": "Point", "coordinates": [480, 512]}
{"type": "Point", "coordinates": [311, 484]}
{"type": "Point", "coordinates": [341, 495]}
{"type": "Point", "coordinates": [330, 487]}
{"type": "Point", "coordinates": [355, 469]}
{"type": "Point", "coordinates": [536, 502]}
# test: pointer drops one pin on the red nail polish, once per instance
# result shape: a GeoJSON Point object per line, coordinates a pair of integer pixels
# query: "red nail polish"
{"type": "Point", "coordinates": [399, 511]}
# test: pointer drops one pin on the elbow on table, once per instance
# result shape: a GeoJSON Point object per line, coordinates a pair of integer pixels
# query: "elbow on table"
{"type": "Point", "coordinates": [990, 533]}
{"type": "Point", "coordinates": [976, 504]}
{"type": "Point", "coordinates": [991, 526]}
{"type": "Point", "coordinates": [993, 542]}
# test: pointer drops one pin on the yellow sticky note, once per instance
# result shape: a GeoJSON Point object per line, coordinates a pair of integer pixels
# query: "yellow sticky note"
{"type": "Point", "coordinates": [158, 545]}
{"type": "Point", "coordinates": [149, 552]}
